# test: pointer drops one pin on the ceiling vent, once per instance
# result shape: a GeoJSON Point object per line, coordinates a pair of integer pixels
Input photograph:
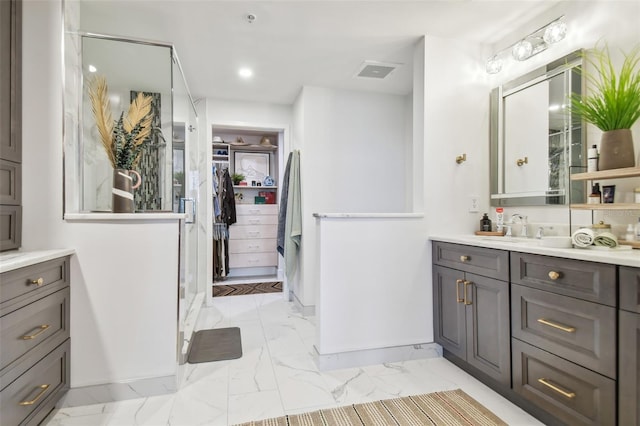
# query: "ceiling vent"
{"type": "Point", "coordinates": [373, 69]}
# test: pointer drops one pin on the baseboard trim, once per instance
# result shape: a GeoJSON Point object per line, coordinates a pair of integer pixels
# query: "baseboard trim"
{"type": "Point", "coordinates": [377, 356]}
{"type": "Point", "coordinates": [307, 311]}
{"type": "Point", "coordinates": [111, 392]}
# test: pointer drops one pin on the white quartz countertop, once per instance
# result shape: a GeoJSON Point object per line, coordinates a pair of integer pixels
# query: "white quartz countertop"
{"type": "Point", "coordinates": [623, 257]}
{"type": "Point", "coordinates": [19, 259]}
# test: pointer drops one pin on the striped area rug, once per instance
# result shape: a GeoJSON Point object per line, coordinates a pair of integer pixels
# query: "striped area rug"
{"type": "Point", "coordinates": [448, 408]}
{"type": "Point", "coordinates": [242, 289]}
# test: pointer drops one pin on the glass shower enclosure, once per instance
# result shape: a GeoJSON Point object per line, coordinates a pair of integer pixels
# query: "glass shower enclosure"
{"type": "Point", "coordinates": [169, 164]}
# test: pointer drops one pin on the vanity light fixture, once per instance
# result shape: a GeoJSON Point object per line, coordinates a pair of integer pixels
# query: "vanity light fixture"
{"type": "Point", "coordinates": [536, 42]}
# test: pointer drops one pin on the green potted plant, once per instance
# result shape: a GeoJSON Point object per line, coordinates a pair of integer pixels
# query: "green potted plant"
{"type": "Point", "coordinates": [612, 104]}
{"type": "Point", "coordinates": [237, 178]}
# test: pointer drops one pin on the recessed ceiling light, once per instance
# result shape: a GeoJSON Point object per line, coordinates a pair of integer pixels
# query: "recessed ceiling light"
{"type": "Point", "coordinates": [245, 72]}
{"type": "Point", "coordinates": [92, 68]}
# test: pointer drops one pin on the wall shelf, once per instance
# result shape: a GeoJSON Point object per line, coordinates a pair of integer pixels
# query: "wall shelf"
{"type": "Point", "coordinates": [627, 172]}
{"type": "Point", "coordinates": [606, 206]}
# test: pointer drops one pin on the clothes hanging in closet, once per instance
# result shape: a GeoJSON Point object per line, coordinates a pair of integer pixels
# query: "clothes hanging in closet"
{"type": "Point", "coordinates": [225, 215]}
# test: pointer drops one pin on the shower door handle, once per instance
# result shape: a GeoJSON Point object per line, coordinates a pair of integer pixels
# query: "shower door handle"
{"type": "Point", "coordinates": [188, 206]}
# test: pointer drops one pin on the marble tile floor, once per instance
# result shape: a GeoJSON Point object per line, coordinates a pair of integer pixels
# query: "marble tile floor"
{"type": "Point", "coordinates": [277, 375]}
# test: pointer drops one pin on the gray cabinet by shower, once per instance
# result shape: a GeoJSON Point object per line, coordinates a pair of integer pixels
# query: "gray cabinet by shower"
{"type": "Point", "coordinates": [10, 124]}
{"type": "Point", "coordinates": [471, 311]}
{"type": "Point", "coordinates": [629, 347]}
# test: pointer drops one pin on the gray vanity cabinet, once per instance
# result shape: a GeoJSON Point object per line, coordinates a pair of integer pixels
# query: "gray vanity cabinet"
{"type": "Point", "coordinates": [471, 315]}
{"type": "Point", "coordinates": [564, 337]}
{"type": "Point", "coordinates": [34, 341]}
{"type": "Point", "coordinates": [10, 124]}
{"type": "Point", "coordinates": [629, 347]}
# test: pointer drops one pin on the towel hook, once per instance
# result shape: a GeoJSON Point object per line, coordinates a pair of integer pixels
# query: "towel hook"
{"type": "Point", "coordinates": [461, 158]}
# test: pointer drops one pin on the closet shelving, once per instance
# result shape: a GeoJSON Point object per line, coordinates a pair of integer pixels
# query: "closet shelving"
{"type": "Point", "coordinates": [220, 152]}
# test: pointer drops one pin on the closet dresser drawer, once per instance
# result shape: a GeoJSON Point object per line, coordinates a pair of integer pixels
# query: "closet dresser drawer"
{"type": "Point", "coordinates": [482, 261]}
{"type": "Point", "coordinates": [591, 281]}
{"type": "Point", "coordinates": [34, 338]}
{"type": "Point", "coordinates": [253, 246]}
{"type": "Point", "coordinates": [574, 329]}
{"type": "Point", "coordinates": [264, 219]}
{"type": "Point", "coordinates": [248, 232]}
{"type": "Point", "coordinates": [571, 393]}
{"type": "Point", "coordinates": [250, 260]}
{"type": "Point", "coordinates": [256, 209]}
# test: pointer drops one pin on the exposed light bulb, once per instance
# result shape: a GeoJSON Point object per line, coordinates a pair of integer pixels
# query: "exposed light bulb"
{"type": "Point", "coordinates": [555, 32]}
{"type": "Point", "coordinates": [245, 72]}
{"type": "Point", "coordinates": [522, 50]}
{"type": "Point", "coordinates": [494, 65]}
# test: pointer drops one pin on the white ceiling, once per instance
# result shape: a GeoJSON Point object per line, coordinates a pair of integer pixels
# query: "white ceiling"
{"type": "Point", "coordinates": [296, 43]}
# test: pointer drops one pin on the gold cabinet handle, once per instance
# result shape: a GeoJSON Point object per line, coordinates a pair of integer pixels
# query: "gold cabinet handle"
{"type": "Point", "coordinates": [562, 392]}
{"type": "Point", "coordinates": [554, 275]}
{"type": "Point", "coordinates": [37, 282]}
{"type": "Point", "coordinates": [521, 161]}
{"type": "Point", "coordinates": [458, 299]}
{"type": "Point", "coordinates": [556, 325]}
{"type": "Point", "coordinates": [467, 284]}
{"type": "Point", "coordinates": [43, 389]}
{"type": "Point", "coordinates": [464, 258]}
{"type": "Point", "coordinates": [40, 329]}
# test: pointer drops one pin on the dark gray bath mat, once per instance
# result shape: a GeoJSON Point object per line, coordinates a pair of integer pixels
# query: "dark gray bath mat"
{"type": "Point", "coordinates": [217, 344]}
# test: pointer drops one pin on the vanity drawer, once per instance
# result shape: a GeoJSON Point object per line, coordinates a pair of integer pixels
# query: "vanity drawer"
{"type": "Point", "coordinates": [250, 260]}
{"type": "Point", "coordinates": [25, 284]}
{"type": "Point", "coordinates": [245, 232]}
{"type": "Point", "coordinates": [30, 398]}
{"type": "Point", "coordinates": [630, 289]}
{"type": "Point", "coordinates": [43, 323]}
{"type": "Point", "coordinates": [577, 330]}
{"type": "Point", "coordinates": [253, 246]}
{"type": "Point", "coordinates": [571, 393]}
{"type": "Point", "coordinates": [478, 260]}
{"type": "Point", "coordinates": [591, 281]}
{"type": "Point", "coordinates": [256, 209]}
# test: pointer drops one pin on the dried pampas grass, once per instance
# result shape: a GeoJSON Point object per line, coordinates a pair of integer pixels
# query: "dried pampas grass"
{"type": "Point", "coordinates": [123, 144]}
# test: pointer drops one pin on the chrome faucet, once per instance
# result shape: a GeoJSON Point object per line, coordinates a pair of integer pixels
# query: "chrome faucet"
{"type": "Point", "coordinates": [523, 220]}
{"type": "Point", "coordinates": [540, 233]}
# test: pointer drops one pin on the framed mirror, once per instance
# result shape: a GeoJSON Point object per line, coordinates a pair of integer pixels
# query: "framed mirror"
{"type": "Point", "coordinates": [534, 139]}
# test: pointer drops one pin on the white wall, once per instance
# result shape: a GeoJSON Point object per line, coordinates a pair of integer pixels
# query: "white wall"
{"type": "Point", "coordinates": [353, 156]}
{"type": "Point", "coordinates": [456, 122]}
{"type": "Point", "coordinates": [124, 276]}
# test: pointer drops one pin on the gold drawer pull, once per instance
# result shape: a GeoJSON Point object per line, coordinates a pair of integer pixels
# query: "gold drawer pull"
{"type": "Point", "coordinates": [556, 325]}
{"type": "Point", "coordinates": [43, 389]}
{"type": "Point", "coordinates": [562, 392]}
{"type": "Point", "coordinates": [467, 283]}
{"type": "Point", "coordinates": [464, 258]}
{"type": "Point", "coordinates": [458, 299]}
{"type": "Point", "coordinates": [37, 282]}
{"type": "Point", "coordinates": [554, 275]}
{"type": "Point", "coordinates": [41, 330]}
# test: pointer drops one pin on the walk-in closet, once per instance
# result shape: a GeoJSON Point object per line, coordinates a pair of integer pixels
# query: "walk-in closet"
{"type": "Point", "coordinates": [245, 174]}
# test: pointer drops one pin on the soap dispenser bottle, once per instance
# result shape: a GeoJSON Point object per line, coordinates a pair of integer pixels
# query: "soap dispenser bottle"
{"type": "Point", "coordinates": [485, 223]}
